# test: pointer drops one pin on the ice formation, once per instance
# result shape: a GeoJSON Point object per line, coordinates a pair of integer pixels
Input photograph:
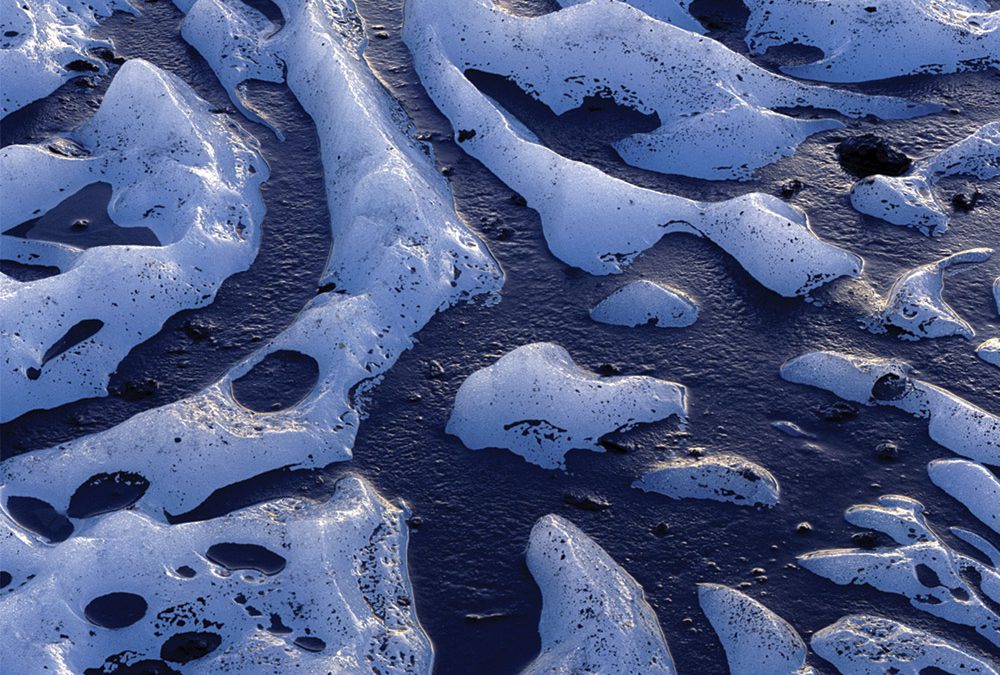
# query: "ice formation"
{"type": "Point", "coordinates": [909, 199]}
{"type": "Point", "coordinates": [536, 402]}
{"type": "Point", "coordinates": [595, 618]}
{"type": "Point", "coordinates": [757, 641]}
{"type": "Point", "coordinates": [44, 43]}
{"type": "Point", "coordinates": [872, 645]}
{"type": "Point", "coordinates": [715, 107]}
{"type": "Point", "coordinates": [958, 425]}
{"type": "Point", "coordinates": [337, 598]}
{"type": "Point", "coordinates": [989, 351]}
{"type": "Point", "coordinates": [597, 222]}
{"type": "Point", "coordinates": [642, 302]}
{"type": "Point", "coordinates": [996, 293]}
{"type": "Point", "coordinates": [863, 40]}
{"type": "Point", "coordinates": [972, 484]}
{"type": "Point", "coordinates": [191, 176]}
{"type": "Point", "coordinates": [400, 254]}
{"type": "Point", "coordinates": [915, 306]}
{"type": "Point", "coordinates": [723, 478]}
{"type": "Point", "coordinates": [676, 12]}
{"type": "Point", "coordinates": [937, 579]}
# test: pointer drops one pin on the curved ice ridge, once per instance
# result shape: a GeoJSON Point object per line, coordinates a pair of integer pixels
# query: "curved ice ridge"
{"type": "Point", "coordinates": [757, 641]}
{"type": "Point", "coordinates": [595, 618]}
{"type": "Point", "coordinates": [676, 12]}
{"type": "Point", "coordinates": [953, 422]}
{"type": "Point", "coordinates": [909, 199]}
{"type": "Point", "coordinates": [536, 402]}
{"type": "Point", "coordinates": [400, 255]}
{"type": "Point", "coordinates": [923, 568]}
{"type": "Point", "coordinates": [863, 644]}
{"type": "Point", "coordinates": [599, 223]}
{"type": "Point", "coordinates": [989, 351]}
{"type": "Point", "coordinates": [642, 302]}
{"type": "Point", "coordinates": [915, 305]}
{"type": "Point", "coordinates": [723, 478]}
{"type": "Point", "coordinates": [344, 581]}
{"type": "Point", "coordinates": [972, 484]}
{"type": "Point", "coordinates": [715, 107]}
{"type": "Point", "coordinates": [39, 38]}
{"type": "Point", "coordinates": [864, 40]}
{"type": "Point", "coordinates": [191, 176]}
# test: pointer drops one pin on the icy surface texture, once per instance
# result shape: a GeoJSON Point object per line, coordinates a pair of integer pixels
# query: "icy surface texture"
{"type": "Point", "coordinates": [757, 641]}
{"type": "Point", "coordinates": [937, 579]}
{"type": "Point", "coordinates": [676, 12]}
{"type": "Point", "coordinates": [536, 402]}
{"type": "Point", "coordinates": [910, 200]}
{"type": "Point", "coordinates": [40, 38]}
{"type": "Point", "coordinates": [400, 254]}
{"type": "Point", "coordinates": [716, 108]}
{"type": "Point", "coordinates": [915, 307]}
{"type": "Point", "coordinates": [863, 644]}
{"type": "Point", "coordinates": [595, 618]}
{"type": "Point", "coordinates": [972, 484]}
{"type": "Point", "coordinates": [862, 40]}
{"type": "Point", "coordinates": [187, 174]}
{"type": "Point", "coordinates": [597, 222]}
{"type": "Point", "coordinates": [958, 425]}
{"type": "Point", "coordinates": [723, 478]}
{"type": "Point", "coordinates": [989, 351]}
{"type": "Point", "coordinates": [335, 571]}
{"type": "Point", "coordinates": [642, 302]}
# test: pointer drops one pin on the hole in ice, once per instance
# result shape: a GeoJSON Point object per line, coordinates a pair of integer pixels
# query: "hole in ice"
{"type": "Point", "coordinates": [185, 647]}
{"type": "Point", "coordinates": [279, 381]}
{"type": "Point", "coordinates": [246, 557]}
{"type": "Point", "coordinates": [143, 667]}
{"type": "Point", "coordinates": [310, 643]}
{"type": "Point", "coordinates": [186, 571]}
{"type": "Point", "coordinates": [5, 578]}
{"type": "Point", "coordinates": [115, 610]}
{"type": "Point", "coordinates": [278, 626]}
{"type": "Point", "coordinates": [82, 220]}
{"type": "Point", "coordinates": [74, 336]}
{"type": "Point", "coordinates": [889, 387]}
{"type": "Point", "coordinates": [22, 272]}
{"type": "Point", "coordinates": [106, 492]}
{"type": "Point", "coordinates": [40, 517]}
{"type": "Point", "coordinates": [926, 576]}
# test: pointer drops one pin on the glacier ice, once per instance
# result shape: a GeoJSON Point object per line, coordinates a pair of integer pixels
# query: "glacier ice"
{"type": "Point", "coordinates": [863, 40]}
{"type": "Point", "coordinates": [909, 199]}
{"type": "Point", "coordinates": [339, 600]}
{"type": "Point", "coordinates": [972, 484]}
{"type": "Point", "coordinates": [757, 641]}
{"type": "Point", "coordinates": [953, 422]}
{"type": "Point", "coordinates": [715, 107]}
{"type": "Point", "coordinates": [191, 176]}
{"type": "Point", "coordinates": [400, 255]}
{"type": "Point", "coordinates": [937, 579]}
{"type": "Point", "coordinates": [863, 644]}
{"type": "Point", "coordinates": [915, 306]}
{"type": "Point", "coordinates": [599, 223]}
{"type": "Point", "coordinates": [989, 351]}
{"type": "Point", "coordinates": [536, 402]}
{"type": "Point", "coordinates": [595, 618]}
{"type": "Point", "coordinates": [44, 43]}
{"type": "Point", "coordinates": [723, 478]}
{"type": "Point", "coordinates": [642, 302]}
{"type": "Point", "coordinates": [676, 12]}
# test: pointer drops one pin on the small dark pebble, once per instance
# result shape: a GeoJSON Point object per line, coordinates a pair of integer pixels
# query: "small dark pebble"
{"type": "Point", "coordinates": [869, 154]}
{"type": "Point", "coordinates": [415, 522]}
{"type": "Point", "coordinates": [197, 329]}
{"type": "Point", "coordinates": [135, 390]}
{"type": "Point", "coordinates": [887, 451]}
{"type": "Point", "coordinates": [964, 202]}
{"type": "Point", "coordinates": [586, 502]}
{"type": "Point", "coordinates": [381, 35]}
{"type": "Point", "coordinates": [80, 224]}
{"type": "Point", "coordinates": [791, 188]}
{"type": "Point", "coordinates": [838, 411]}
{"type": "Point", "coordinates": [435, 370]}
{"type": "Point", "coordinates": [805, 527]}
{"type": "Point", "coordinates": [661, 529]}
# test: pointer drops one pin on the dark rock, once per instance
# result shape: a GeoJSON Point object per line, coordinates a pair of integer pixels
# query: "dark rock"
{"type": "Point", "coordinates": [887, 451]}
{"type": "Point", "coordinates": [586, 502]}
{"type": "Point", "coordinates": [381, 35]}
{"type": "Point", "coordinates": [965, 203]}
{"type": "Point", "coordinates": [198, 329]}
{"type": "Point", "coordinates": [80, 224]}
{"type": "Point", "coordinates": [504, 233]}
{"type": "Point", "coordinates": [791, 188]}
{"type": "Point", "coordinates": [415, 522]}
{"type": "Point", "coordinates": [866, 539]}
{"type": "Point", "coordinates": [868, 154]}
{"type": "Point", "coordinates": [661, 529]}
{"type": "Point", "coordinates": [838, 411]}
{"type": "Point", "coordinates": [135, 390]}
{"type": "Point", "coordinates": [184, 647]}
{"type": "Point", "coordinates": [805, 527]}
{"type": "Point", "coordinates": [608, 369]}
{"type": "Point", "coordinates": [435, 370]}
{"type": "Point", "coordinates": [108, 56]}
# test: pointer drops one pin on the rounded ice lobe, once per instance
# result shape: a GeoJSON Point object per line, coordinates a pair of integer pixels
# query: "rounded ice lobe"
{"type": "Point", "coordinates": [595, 617]}
{"type": "Point", "coordinates": [872, 645]}
{"type": "Point", "coordinates": [972, 484]}
{"type": "Point", "coordinates": [536, 402]}
{"type": "Point", "coordinates": [757, 641]}
{"type": "Point", "coordinates": [989, 351]}
{"type": "Point", "coordinates": [722, 478]}
{"type": "Point", "coordinates": [646, 302]}
{"type": "Point", "coordinates": [116, 610]}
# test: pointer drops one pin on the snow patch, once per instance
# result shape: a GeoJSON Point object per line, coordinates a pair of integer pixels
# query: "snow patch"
{"type": "Point", "coordinates": [723, 478]}
{"type": "Point", "coordinates": [642, 302]}
{"type": "Point", "coordinates": [972, 484]}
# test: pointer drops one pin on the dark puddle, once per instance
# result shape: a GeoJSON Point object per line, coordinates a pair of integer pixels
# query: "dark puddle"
{"type": "Point", "coordinates": [246, 557]}
{"type": "Point", "coordinates": [310, 643]}
{"type": "Point", "coordinates": [185, 647]}
{"type": "Point", "coordinates": [26, 272]}
{"type": "Point", "coordinates": [279, 381]}
{"type": "Point", "coordinates": [39, 517]}
{"type": "Point", "coordinates": [116, 610]}
{"type": "Point", "coordinates": [186, 572]}
{"type": "Point", "coordinates": [82, 220]}
{"type": "Point", "coordinates": [107, 492]}
{"type": "Point", "coordinates": [143, 667]}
